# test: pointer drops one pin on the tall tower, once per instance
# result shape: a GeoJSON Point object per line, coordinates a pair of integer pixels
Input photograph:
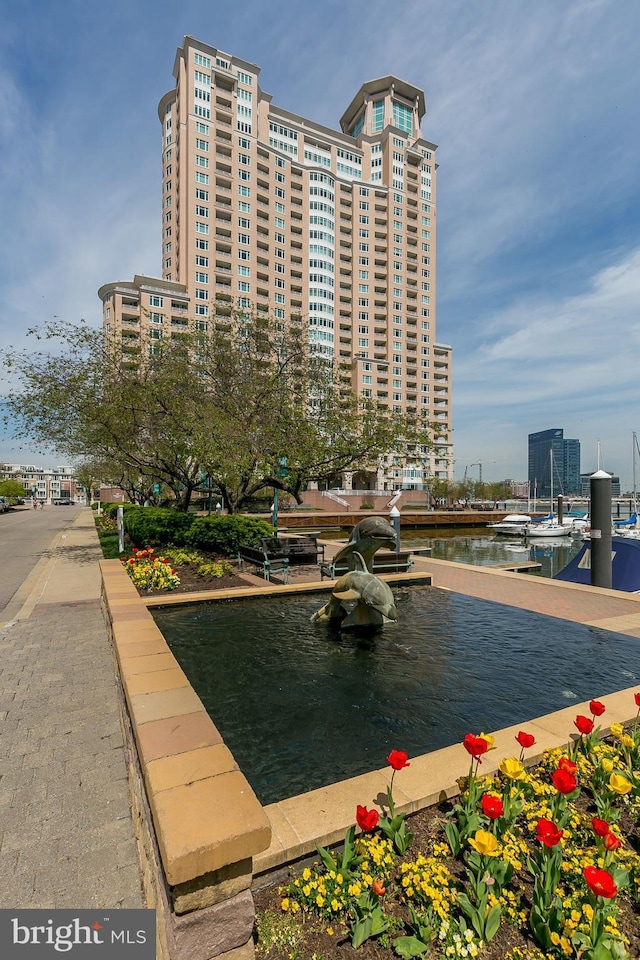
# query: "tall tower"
{"type": "Point", "coordinates": [263, 208]}
{"type": "Point", "coordinates": [547, 447]}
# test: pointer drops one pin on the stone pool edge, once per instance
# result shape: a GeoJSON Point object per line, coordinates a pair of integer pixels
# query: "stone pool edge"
{"type": "Point", "coordinates": [199, 868]}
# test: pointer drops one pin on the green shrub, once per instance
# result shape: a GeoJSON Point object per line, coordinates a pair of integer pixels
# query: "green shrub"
{"type": "Point", "coordinates": [227, 534]}
{"type": "Point", "coordinates": [152, 525]}
{"type": "Point", "coordinates": [111, 509]}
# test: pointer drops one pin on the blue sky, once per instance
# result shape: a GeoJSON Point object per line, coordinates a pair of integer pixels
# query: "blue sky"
{"type": "Point", "coordinates": [536, 112]}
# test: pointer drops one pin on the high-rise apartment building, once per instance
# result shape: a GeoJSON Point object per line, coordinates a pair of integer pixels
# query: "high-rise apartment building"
{"type": "Point", "coordinates": [275, 212]}
{"type": "Point", "coordinates": [547, 448]}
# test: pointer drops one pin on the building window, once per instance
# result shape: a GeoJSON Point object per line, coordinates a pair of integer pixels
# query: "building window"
{"type": "Point", "coordinates": [156, 301]}
{"type": "Point", "coordinates": [377, 116]}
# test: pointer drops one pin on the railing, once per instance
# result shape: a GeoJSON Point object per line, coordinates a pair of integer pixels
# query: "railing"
{"type": "Point", "coordinates": [334, 497]}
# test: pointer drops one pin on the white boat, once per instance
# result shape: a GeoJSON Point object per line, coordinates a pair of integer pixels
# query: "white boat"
{"type": "Point", "coordinates": [549, 526]}
{"type": "Point", "coordinates": [513, 525]}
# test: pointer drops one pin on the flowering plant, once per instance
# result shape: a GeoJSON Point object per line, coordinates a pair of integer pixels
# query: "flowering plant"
{"type": "Point", "coordinates": [556, 869]}
{"type": "Point", "coordinates": [149, 572]}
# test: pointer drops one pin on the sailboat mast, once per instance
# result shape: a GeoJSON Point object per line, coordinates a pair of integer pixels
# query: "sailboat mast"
{"type": "Point", "coordinates": [635, 471]}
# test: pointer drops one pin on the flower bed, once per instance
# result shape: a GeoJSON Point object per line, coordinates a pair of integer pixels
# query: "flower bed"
{"type": "Point", "coordinates": [525, 865]}
{"type": "Point", "coordinates": [179, 570]}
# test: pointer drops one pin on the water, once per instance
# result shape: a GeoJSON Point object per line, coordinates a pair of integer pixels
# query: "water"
{"type": "Point", "coordinates": [301, 705]}
{"type": "Point", "coordinates": [480, 548]}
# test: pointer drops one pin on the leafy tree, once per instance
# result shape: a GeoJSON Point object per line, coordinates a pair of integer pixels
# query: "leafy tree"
{"type": "Point", "coordinates": [12, 489]}
{"type": "Point", "coordinates": [244, 405]}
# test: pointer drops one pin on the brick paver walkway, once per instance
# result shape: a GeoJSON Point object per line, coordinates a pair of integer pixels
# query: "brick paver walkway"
{"type": "Point", "coordinates": [66, 835]}
{"type": "Point", "coordinates": [609, 609]}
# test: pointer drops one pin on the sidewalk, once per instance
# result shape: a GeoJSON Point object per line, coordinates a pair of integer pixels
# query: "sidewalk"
{"type": "Point", "coordinates": [66, 834]}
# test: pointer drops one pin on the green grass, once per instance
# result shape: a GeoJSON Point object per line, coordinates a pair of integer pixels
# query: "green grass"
{"type": "Point", "coordinates": [109, 544]}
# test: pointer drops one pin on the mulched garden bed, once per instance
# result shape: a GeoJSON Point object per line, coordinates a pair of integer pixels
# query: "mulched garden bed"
{"type": "Point", "coordinates": [192, 582]}
{"type": "Point", "coordinates": [281, 934]}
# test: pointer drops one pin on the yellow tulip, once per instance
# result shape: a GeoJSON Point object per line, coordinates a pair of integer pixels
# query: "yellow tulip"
{"type": "Point", "coordinates": [490, 741]}
{"type": "Point", "coordinates": [619, 784]}
{"type": "Point", "coordinates": [512, 768]}
{"type": "Point", "coordinates": [485, 843]}
{"type": "Point", "coordinates": [607, 765]}
{"type": "Point", "coordinates": [616, 729]}
{"type": "Point", "coordinates": [626, 740]}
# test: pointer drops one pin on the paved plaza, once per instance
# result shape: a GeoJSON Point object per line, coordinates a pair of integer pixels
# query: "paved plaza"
{"type": "Point", "coordinates": [66, 835]}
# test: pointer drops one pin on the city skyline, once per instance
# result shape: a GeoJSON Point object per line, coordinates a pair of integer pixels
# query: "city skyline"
{"type": "Point", "coordinates": [533, 111]}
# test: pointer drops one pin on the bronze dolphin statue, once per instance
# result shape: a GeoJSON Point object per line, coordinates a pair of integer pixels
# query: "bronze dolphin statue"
{"type": "Point", "coordinates": [358, 599]}
{"type": "Point", "coordinates": [369, 535]}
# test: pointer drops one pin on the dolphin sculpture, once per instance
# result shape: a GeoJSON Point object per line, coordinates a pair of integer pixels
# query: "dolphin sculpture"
{"type": "Point", "coordinates": [369, 535]}
{"type": "Point", "coordinates": [358, 599]}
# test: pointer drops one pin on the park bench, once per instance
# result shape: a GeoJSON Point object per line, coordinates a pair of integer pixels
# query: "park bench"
{"type": "Point", "coordinates": [274, 555]}
{"type": "Point", "coordinates": [383, 562]}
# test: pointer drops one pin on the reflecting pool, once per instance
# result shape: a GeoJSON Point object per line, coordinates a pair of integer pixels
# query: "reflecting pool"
{"type": "Point", "coordinates": [301, 705]}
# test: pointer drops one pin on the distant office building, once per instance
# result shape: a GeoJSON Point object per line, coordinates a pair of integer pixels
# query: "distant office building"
{"type": "Point", "coordinates": [547, 447]}
{"type": "Point", "coordinates": [585, 484]}
{"type": "Point", "coordinates": [335, 229]}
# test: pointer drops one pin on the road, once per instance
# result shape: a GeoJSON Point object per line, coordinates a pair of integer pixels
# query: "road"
{"type": "Point", "coordinates": [26, 537]}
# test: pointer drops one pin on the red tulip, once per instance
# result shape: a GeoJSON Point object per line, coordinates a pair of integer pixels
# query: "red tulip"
{"type": "Point", "coordinates": [398, 759]}
{"type": "Point", "coordinates": [548, 833]}
{"type": "Point", "coordinates": [525, 739]}
{"type": "Point", "coordinates": [565, 764]}
{"type": "Point", "coordinates": [612, 842]}
{"type": "Point", "coordinates": [636, 697]}
{"type": "Point", "coordinates": [378, 888]}
{"type": "Point", "coordinates": [597, 708]}
{"type": "Point", "coordinates": [563, 781]}
{"type": "Point", "coordinates": [600, 827]}
{"type": "Point", "coordinates": [492, 806]}
{"type": "Point", "coordinates": [476, 746]}
{"type": "Point", "coordinates": [366, 819]}
{"type": "Point", "coordinates": [584, 724]}
{"type": "Point", "coordinates": [600, 882]}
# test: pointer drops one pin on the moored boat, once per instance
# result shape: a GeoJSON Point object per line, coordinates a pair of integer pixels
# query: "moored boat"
{"type": "Point", "coordinates": [514, 525]}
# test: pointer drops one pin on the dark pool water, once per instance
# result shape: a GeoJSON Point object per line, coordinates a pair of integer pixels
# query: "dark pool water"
{"type": "Point", "coordinates": [301, 705]}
